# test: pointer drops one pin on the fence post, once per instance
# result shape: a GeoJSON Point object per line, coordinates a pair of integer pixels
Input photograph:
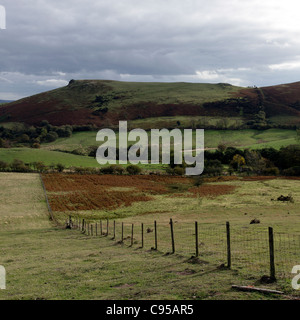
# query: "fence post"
{"type": "Point", "coordinates": [142, 235]}
{"type": "Point", "coordinates": [132, 235]}
{"type": "Point", "coordinates": [114, 230]}
{"type": "Point", "coordinates": [92, 231]}
{"type": "Point", "coordinates": [82, 227]}
{"type": "Point", "coordinates": [155, 234]}
{"type": "Point", "coordinates": [228, 245]}
{"type": "Point", "coordinates": [172, 236]}
{"type": "Point", "coordinates": [101, 228]}
{"type": "Point", "coordinates": [197, 239]}
{"type": "Point", "coordinates": [107, 227]}
{"type": "Point", "coordinates": [122, 232]}
{"type": "Point", "coordinates": [272, 259]}
{"type": "Point", "coordinates": [96, 229]}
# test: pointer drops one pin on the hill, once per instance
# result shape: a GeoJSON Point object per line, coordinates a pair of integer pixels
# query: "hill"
{"type": "Point", "coordinates": [105, 102]}
{"type": "Point", "coordinates": [5, 101]}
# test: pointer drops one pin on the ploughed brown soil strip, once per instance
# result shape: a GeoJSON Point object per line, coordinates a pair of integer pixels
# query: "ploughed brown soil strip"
{"type": "Point", "coordinates": [72, 192]}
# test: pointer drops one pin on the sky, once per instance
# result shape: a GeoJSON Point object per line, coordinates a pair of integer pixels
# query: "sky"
{"type": "Point", "coordinates": [47, 43]}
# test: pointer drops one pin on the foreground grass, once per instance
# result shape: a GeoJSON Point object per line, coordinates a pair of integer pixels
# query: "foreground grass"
{"type": "Point", "coordinates": [44, 261]}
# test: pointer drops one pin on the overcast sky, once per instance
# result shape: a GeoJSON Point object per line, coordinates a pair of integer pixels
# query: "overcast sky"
{"type": "Point", "coordinates": [48, 42]}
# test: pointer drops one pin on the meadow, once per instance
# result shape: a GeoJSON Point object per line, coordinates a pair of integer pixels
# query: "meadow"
{"type": "Point", "coordinates": [44, 260]}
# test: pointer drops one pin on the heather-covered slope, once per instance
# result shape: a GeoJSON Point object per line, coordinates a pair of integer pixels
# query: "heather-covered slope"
{"type": "Point", "coordinates": [102, 103]}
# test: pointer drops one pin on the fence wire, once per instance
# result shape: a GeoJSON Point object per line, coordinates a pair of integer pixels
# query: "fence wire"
{"type": "Point", "coordinates": [250, 246]}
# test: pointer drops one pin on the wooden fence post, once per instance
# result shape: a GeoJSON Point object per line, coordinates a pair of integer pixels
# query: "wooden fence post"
{"type": "Point", "coordinates": [142, 235]}
{"type": "Point", "coordinates": [155, 235]}
{"type": "Point", "coordinates": [101, 233]}
{"type": "Point", "coordinates": [122, 232]}
{"type": "Point", "coordinates": [172, 236]}
{"type": "Point", "coordinates": [82, 225]}
{"type": "Point", "coordinates": [197, 239]}
{"type": "Point", "coordinates": [114, 237]}
{"type": "Point", "coordinates": [272, 257]}
{"type": "Point", "coordinates": [132, 235]}
{"type": "Point", "coordinates": [107, 223]}
{"type": "Point", "coordinates": [96, 229]}
{"type": "Point", "coordinates": [228, 245]}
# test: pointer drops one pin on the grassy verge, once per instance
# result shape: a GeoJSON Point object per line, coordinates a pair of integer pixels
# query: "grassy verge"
{"type": "Point", "coordinates": [43, 261]}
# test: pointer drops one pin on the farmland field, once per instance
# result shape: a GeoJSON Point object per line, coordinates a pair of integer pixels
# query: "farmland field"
{"type": "Point", "coordinates": [237, 138]}
{"type": "Point", "coordinates": [45, 261]}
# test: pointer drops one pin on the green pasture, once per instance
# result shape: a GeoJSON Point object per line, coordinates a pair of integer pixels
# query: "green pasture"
{"type": "Point", "coordinates": [45, 261]}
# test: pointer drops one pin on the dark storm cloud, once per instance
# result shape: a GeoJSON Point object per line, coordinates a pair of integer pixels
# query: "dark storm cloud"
{"type": "Point", "coordinates": [46, 43]}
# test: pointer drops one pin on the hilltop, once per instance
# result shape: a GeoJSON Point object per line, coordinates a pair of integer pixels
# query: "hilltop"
{"type": "Point", "coordinates": [105, 102]}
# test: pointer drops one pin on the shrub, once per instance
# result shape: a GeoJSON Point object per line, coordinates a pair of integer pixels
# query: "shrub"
{"type": "Point", "coordinates": [51, 136]}
{"type": "Point", "coordinates": [19, 166]}
{"type": "Point", "coordinates": [293, 171]}
{"type": "Point", "coordinates": [273, 171]}
{"type": "Point", "coordinates": [3, 166]}
{"type": "Point", "coordinates": [133, 169]}
{"type": "Point", "coordinates": [36, 145]}
{"type": "Point", "coordinates": [107, 170]}
{"type": "Point", "coordinates": [179, 171]}
{"type": "Point", "coordinates": [117, 169]}
{"type": "Point", "coordinates": [60, 167]}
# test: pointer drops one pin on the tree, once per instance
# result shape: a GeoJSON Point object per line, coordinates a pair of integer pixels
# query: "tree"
{"type": "Point", "coordinates": [238, 161]}
{"type": "Point", "coordinates": [222, 147]}
{"type": "Point", "coordinates": [255, 161]}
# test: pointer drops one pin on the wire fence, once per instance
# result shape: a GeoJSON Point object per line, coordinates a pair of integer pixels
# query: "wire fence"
{"type": "Point", "coordinates": [252, 251]}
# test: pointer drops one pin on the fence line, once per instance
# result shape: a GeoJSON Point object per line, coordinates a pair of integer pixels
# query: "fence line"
{"type": "Point", "coordinates": [51, 216]}
{"type": "Point", "coordinates": [255, 252]}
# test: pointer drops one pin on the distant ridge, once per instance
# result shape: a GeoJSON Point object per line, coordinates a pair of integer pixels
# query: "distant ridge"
{"type": "Point", "coordinates": [6, 101]}
{"type": "Point", "coordinates": [105, 102]}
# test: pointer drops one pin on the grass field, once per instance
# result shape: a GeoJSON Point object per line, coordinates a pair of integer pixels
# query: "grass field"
{"type": "Point", "coordinates": [238, 138]}
{"type": "Point", "coordinates": [28, 155]}
{"type": "Point", "coordinates": [44, 261]}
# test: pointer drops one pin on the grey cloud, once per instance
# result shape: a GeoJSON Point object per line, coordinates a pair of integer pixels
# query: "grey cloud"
{"type": "Point", "coordinates": [169, 40]}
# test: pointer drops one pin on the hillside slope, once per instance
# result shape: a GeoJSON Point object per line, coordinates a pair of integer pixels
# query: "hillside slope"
{"type": "Point", "coordinates": [104, 102]}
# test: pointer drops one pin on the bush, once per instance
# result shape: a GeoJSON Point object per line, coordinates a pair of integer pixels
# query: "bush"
{"type": "Point", "coordinates": [51, 136]}
{"type": "Point", "coordinates": [133, 169]}
{"type": "Point", "coordinates": [107, 170]}
{"type": "Point", "coordinates": [19, 166]}
{"type": "Point", "coordinates": [273, 171]}
{"type": "Point", "coordinates": [293, 171]}
{"type": "Point", "coordinates": [36, 145]}
{"type": "Point", "coordinates": [113, 169]}
{"type": "Point", "coordinates": [60, 167]}
{"type": "Point", "coordinates": [3, 166]}
{"type": "Point", "coordinates": [179, 171]}
{"type": "Point", "coordinates": [117, 169]}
